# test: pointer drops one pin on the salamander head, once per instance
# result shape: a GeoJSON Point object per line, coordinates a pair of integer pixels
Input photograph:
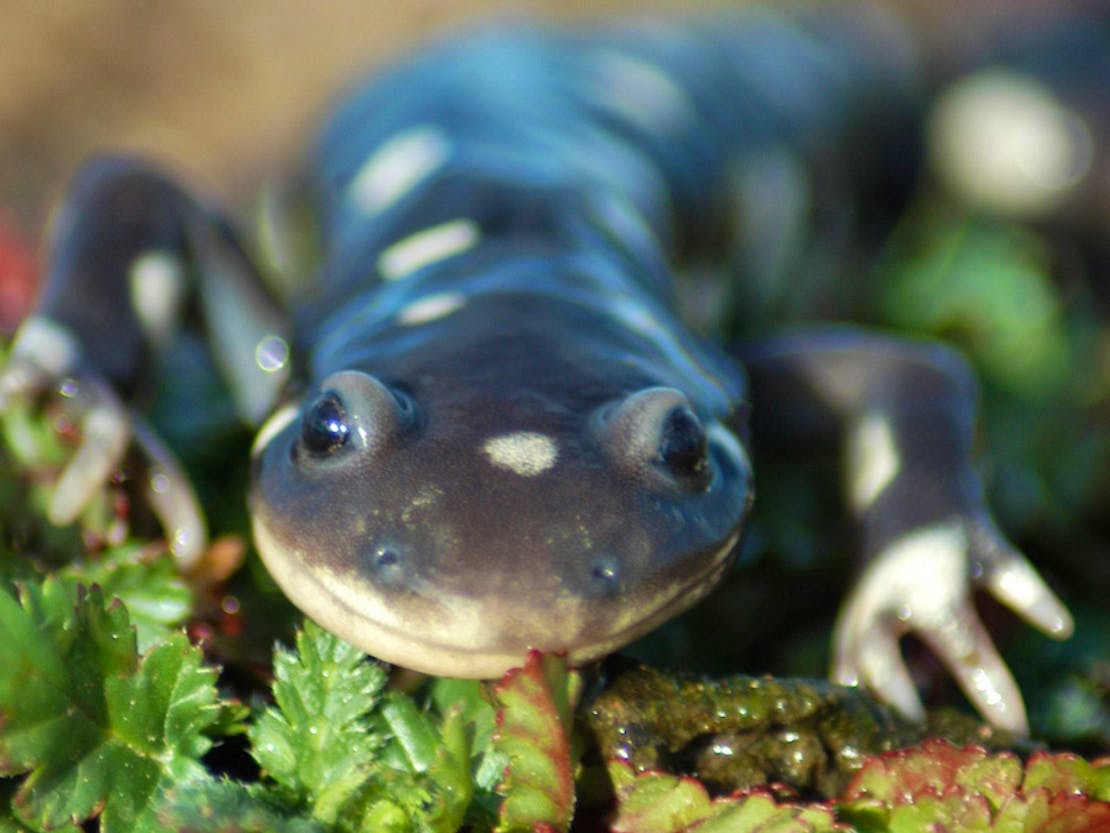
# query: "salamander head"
{"type": "Point", "coordinates": [452, 545]}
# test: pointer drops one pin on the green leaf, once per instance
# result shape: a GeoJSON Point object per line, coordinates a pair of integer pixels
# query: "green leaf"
{"type": "Point", "coordinates": [534, 732]}
{"type": "Point", "coordinates": [157, 598]}
{"type": "Point", "coordinates": [938, 785]}
{"type": "Point", "coordinates": [441, 752]}
{"type": "Point", "coordinates": [1067, 773]}
{"type": "Point", "coordinates": [656, 802]}
{"type": "Point", "coordinates": [100, 730]}
{"type": "Point", "coordinates": [209, 806]}
{"type": "Point", "coordinates": [937, 767]}
{"type": "Point", "coordinates": [988, 285]}
{"type": "Point", "coordinates": [316, 741]}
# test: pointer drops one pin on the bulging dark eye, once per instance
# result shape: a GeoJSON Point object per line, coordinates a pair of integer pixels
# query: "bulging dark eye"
{"type": "Point", "coordinates": [682, 444]}
{"type": "Point", "coordinates": [325, 427]}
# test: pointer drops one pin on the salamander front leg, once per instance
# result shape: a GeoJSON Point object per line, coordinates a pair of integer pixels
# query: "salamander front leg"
{"type": "Point", "coordinates": [128, 251]}
{"type": "Point", "coordinates": [905, 414]}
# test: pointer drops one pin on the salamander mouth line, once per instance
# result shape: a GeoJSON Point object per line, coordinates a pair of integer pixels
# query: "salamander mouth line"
{"type": "Point", "coordinates": [335, 610]}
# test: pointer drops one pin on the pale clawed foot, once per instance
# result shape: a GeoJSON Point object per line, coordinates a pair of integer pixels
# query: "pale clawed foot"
{"type": "Point", "coordinates": [922, 583]}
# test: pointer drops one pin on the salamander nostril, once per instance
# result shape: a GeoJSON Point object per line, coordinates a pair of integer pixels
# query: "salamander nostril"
{"type": "Point", "coordinates": [387, 558]}
{"type": "Point", "coordinates": [605, 577]}
{"type": "Point", "coordinates": [387, 564]}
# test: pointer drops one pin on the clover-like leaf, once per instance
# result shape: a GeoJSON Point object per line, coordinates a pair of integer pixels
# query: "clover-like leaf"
{"type": "Point", "coordinates": [100, 730]}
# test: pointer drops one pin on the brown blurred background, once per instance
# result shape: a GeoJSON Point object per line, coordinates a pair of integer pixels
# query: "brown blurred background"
{"type": "Point", "coordinates": [225, 90]}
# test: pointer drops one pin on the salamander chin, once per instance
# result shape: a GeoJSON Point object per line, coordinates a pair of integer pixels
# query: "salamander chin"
{"type": "Point", "coordinates": [459, 637]}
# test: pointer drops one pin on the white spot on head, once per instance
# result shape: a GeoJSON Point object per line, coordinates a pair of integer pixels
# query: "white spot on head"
{"type": "Point", "coordinates": [428, 246]}
{"type": "Point", "coordinates": [643, 92]}
{"type": "Point", "coordinates": [430, 308]}
{"type": "Point", "coordinates": [1004, 141]}
{"type": "Point", "coordinates": [873, 460]}
{"type": "Point", "coordinates": [157, 282]}
{"type": "Point", "coordinates": [396, 167]}
{"type": "Point", "coordinates": [526, 453]}
{"type": "Point", "coordinates": [272, 354]}
{"type": "Point", "coordinates": [272, 427]}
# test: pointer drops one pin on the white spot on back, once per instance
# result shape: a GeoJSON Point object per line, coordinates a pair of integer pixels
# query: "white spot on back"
{"type": "Point", "coordinates": [430, 308]}
{"type": "Point", "coordinates": [873, 460]}
{"type": "Point", "coordinates": [642, 92]}
{"type": "Point", "coordinates": [638, 318]}
{"type": "Point", "coordinates": [526, 453]}
{"type": "Point", "coordinates": [157, 284]}
{"type": "Point", "coordinates": [396, 167]}
{"type": "Point", "coordinates": [1005, 142]}
{"type": "Point", "coordinates": [428, 246]}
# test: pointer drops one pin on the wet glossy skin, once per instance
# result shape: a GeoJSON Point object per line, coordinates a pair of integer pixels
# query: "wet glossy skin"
{"type": "Point", "coordinates": [504, 436]}
{"type": "Point", "coordinates": [507, 505]}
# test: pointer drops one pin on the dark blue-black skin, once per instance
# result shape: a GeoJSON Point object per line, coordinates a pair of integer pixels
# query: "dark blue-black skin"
{"type": "Point", "coordinates": [506, 438]}
{"type": "Point", "coordinates": [562, 168]}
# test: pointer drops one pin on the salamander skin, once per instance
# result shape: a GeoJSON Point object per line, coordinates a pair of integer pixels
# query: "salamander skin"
{"type": "Point", "coordinates": [550, 459]}
{"type": "Point", "coordinates": [506, 438]}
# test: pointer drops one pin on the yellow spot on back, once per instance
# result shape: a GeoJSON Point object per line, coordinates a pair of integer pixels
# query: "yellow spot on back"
{"type": "Point", "coordinates": [428, 246]}
{"type": "Point", "coordinates": [397, 167]}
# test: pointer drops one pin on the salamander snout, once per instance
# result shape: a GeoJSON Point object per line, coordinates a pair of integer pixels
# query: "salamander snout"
{"type": "Point", "coordinates": [449, 530]}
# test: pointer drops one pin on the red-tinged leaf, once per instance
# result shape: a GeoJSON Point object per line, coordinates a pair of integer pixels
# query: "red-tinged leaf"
{"type": "Point", "coordinates": [759, 813]}
{"type": "Point", "coordinates": [955, 811]}
{"type": "Point", "coordinates": [656, 802]}
{"type": "Point", "coordinates": [935, 768]}
{"type": "Point", "coordinates": [940, 787]}
{"type": "Point", "coordinates": [534, 726]}
{"type": "Point", "coordinates": [1066, 814]}
{"type": "Point", "coordinates": [1067, 773]}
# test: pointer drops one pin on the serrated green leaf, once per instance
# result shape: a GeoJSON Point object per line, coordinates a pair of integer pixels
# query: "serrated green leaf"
{"type": "Point", "coordinates": [413, 730]}
{"type": "Point", "coordinates": [316, 741]}
{"type": "Point", "coordinates": [101, 731]}
{"type": "Point", "coordinates": [157, 598]}
{"type": "Point", "coordinates": [534, 731]}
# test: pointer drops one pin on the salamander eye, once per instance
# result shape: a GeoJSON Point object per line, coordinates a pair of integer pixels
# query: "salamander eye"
{"type": "Point", "coordinates": [325, 427]}
{"type": "Point", "coordinates": [654, 434]}
{"type": "Point", "coordinates": [682, 444]}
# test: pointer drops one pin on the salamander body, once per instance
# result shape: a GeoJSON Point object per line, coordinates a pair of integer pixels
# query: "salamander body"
{"type": "Point", "coordinates": [506, 437]}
